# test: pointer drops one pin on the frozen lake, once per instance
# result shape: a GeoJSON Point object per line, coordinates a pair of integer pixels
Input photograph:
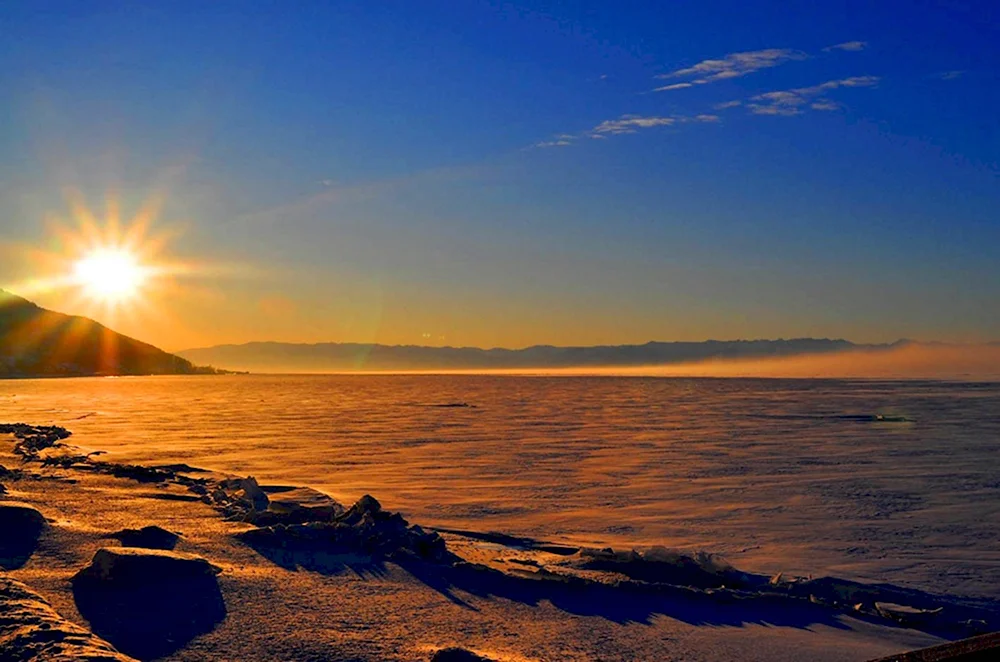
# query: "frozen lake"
{"type": "Point", "coordinates": [793, 475]}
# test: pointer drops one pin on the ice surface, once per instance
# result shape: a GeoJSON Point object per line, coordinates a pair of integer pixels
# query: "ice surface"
{"type": "Point", "coordinates": [790, 476]}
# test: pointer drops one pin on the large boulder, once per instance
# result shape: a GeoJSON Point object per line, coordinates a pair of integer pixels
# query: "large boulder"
{"type": "Point", "coordinates": [139, 567]}
{"type": "Point", "coordinates": [20, 528]}
{"type": "Point", "coordinates": [149, 603]}
{"type": "Point", "coordinates": [149, 537]}
{"type": "Point", "coordinates": [31, 630]}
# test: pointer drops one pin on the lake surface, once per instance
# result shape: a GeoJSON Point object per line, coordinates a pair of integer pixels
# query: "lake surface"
{"type": "Point", "coordinates": [790, 475]}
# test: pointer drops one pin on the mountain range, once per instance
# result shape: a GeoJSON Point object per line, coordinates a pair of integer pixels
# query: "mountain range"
{"type": "Point", "coordinates": [342, 357]}
{"type": "Point", "coordinates": [35, 342]}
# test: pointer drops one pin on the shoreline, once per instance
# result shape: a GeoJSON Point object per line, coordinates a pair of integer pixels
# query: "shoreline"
{"type": "Point", "coordinates": [299, 530]}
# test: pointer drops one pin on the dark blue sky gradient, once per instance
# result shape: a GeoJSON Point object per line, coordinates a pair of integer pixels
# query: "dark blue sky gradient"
{"type": "Point", "coordinates": [387, 163]}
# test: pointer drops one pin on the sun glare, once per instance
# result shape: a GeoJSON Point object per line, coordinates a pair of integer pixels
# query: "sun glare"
{"type": "Point", "coordinates": [103, 267]}
{"type": "Point", "coordinates": [110, 275]}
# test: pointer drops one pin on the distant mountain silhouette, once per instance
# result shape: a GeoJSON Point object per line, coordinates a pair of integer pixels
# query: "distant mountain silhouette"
{"type": "Point", "coordinates": [35, 342]}
{"type": "Point", "coordinates": [336, 357]}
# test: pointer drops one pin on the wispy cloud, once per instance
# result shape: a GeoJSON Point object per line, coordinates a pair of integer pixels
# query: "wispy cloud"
{"type": "Point", "coordinates": [793, 102]}
{"type": "Point", "coordinates": [553, 143]}
{"type": "Point", "coordinates": [623, 125]}
{"type": "Point", "coordinates": [848, 46]}
{"type": "Point", "coordinates": [733, 65]}
{"type": "Point", "coordinates": [673, 86]}
{"type": "Point", "coordinates": [631, 124]}
{"type": "Point", "coordinates": [562, 140]}
{"type": "Point", "coordinates": [736, 65]}
{"type": "Point", "coordinates": [853, 81]}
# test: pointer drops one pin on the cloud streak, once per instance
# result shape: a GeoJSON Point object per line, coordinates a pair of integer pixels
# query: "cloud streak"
{"type": "Point", "coordinates": [562, 140]}
{"type": "Point", "coordinates": [730, 66]}
{"type": "Point", "coordinates": [674, 86]}
{"type": "Point", "coordinates": [624, 125]}
{"type": "Point", "coordinates": [736, 65]}
{"type": "Point", "coordinates": [635, 123]}
{"type": "Point", "coordinates": [631, 124]}
{"type": "Point", "coordinates": [553, 143]}
{"type": "Point", "coordinates": [788, 102]}
{"type": "Point", "coordinates": [794, 101]}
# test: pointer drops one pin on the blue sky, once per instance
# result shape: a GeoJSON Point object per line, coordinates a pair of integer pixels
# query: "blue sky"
{"type": "Point", "coordinates": [493, 173]}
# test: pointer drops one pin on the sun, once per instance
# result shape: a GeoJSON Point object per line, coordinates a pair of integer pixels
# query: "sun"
{"type": "Point", "coordinates": [108, 268]}
{"type": "Point", "coordinates": [110, 275]}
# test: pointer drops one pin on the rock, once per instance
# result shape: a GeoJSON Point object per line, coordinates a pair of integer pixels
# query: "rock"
{"type": "Point", "coordinates": [363, 531]}
{"type": "Point", "coordinates": [149, 603]}
{"type": "Point", "coordinates": [20, 528]}
{"type": "Point", "coordinates": [240, 496]}
{"type": "Point", "coordinates": [659, 565]}
{"type": "Point", "coordinates": [295, 505]}
{"type": "Point", "coordinates": [906, 615]}
{"type": "Point", "coordinates": [31, 630]}
{"type": "Point", "coordinates": [365, 506]}
{"type": "Point", "coordinates": [10, 474]}
{"type": "Point", "coordinates": [180, 468]}
{"type": "Point", "coordinates": [455, 654]}
{"type": "Point", "coordinates": [33, 439]}
{"type": "Point", "coordinates": [136, 472]}
{"type": "Point", "coordinates": [113, 565]}
{"type": "Point", "coordinates": [150, 537]}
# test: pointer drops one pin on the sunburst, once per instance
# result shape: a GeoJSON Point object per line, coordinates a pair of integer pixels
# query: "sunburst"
{"type": "Point", "coordinates": [106, 267]}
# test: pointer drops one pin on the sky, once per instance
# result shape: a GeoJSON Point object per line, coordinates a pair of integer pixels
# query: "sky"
{"type": "Point", "coordinates": [508, 174]}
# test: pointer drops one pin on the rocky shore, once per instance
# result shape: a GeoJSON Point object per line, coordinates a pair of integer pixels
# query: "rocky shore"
{"type": "Point", "coordinates": [174, 562]}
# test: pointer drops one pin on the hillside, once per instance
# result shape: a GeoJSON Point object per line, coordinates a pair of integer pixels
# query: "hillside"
{"type": "Point", "coordinates": [336, 357]}
{"type": "Point", "coordinates": [35, 342]}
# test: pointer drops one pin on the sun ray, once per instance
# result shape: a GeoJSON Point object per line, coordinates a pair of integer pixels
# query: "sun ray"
{"type": "Point", "coordinates": [112, 212]}
{"type": "Point", "coordinates": [142, 221]}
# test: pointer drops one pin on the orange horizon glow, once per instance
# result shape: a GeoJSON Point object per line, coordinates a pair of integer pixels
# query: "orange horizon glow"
{"type": "Point", "coordinates": [117, 270]}
{"type": "Point", "coordinates": [971, 362]}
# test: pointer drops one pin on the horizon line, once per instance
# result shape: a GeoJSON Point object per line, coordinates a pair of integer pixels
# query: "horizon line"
{"type": "Point", "coordinates": [862, 345]}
